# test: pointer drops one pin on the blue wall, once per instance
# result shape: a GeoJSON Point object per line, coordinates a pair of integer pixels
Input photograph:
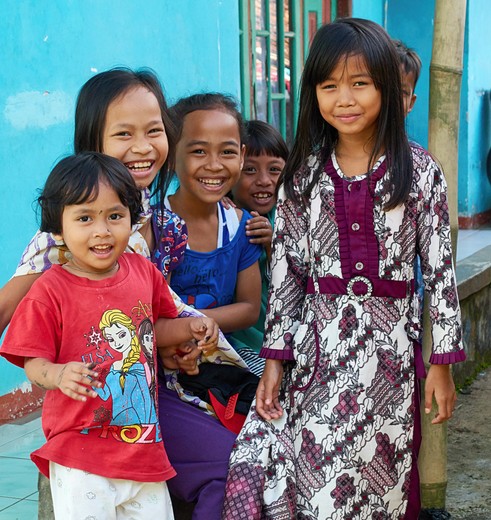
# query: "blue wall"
{"type": "Point", "coordinates": [413, 23]}
{"type": "Point", "coordinates": [474, 186]}
{"type": "Point", "coordinates": [52, 48]}
{"type": "Point", "coordinates": [417, 33]}
{"type": "Point", "coordinates": [373, 10]}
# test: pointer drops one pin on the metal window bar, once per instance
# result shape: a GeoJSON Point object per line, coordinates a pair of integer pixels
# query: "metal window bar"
{"type": "Point", "coordinates": [295, 37]}
{"type": "Point", "coordinates": [248, 55]}
{"type": "Point", "coordinates": [296, 60]}
{"type": "Point", "coordinates": [245, 59]}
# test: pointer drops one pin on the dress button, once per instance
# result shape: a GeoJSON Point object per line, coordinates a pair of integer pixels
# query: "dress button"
{"type": "Point", "coordinates": [349, 187]}
{"type": "Point", "coordinates": [359, 266]}
{"type": "Point", "coordinates": [355, 226]}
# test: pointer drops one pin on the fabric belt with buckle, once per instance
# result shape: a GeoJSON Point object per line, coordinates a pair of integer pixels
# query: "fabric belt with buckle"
{"type": "Point", "coordinates": [360, 287]}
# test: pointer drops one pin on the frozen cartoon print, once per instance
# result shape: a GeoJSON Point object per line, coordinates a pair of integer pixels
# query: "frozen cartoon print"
{"type": "Point", "coordinates": [128, 380]}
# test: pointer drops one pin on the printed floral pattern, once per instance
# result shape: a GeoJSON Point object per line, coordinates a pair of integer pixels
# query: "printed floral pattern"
{"type": "Point", "coordinates": [343, 448]}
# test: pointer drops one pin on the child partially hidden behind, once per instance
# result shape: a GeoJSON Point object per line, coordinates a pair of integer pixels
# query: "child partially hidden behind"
{"type": "Point", "coordinates": [255, 191]}
{"type": "Point", "coordinates": [76, 335]}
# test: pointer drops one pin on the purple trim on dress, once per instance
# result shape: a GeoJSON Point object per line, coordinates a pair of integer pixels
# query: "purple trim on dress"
{"type": "Point", "coordinates": [373, 245]}
{"type": "Point", "coordinates": [419, 364]}
{"type": "Point", "coordinates": [344, 251]}
{"type": "Point", "coordinates": [414, 495]}
{"type": "Point", "coordinates": [273, 353]}
{"type": "Point", "coordinates": [448, 359]}
{"type": "Point", "coordinates": [354, 203]}
{"type": "Point", "coordinates": [372, 286]}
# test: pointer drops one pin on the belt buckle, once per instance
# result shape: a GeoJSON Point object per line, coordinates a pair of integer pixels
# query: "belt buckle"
{"type": "Point", "coordinates": [359, 297]}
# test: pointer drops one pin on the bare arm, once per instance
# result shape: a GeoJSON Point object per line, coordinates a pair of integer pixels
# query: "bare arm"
{"type": "Point", "coordinates": [175, 331]}
{"type": "Point", "coordinates": [10, 296]}
{"type": "Point", "coordinates": [245, 311]}
{"type": "Point", "coordinates": [74, 379]}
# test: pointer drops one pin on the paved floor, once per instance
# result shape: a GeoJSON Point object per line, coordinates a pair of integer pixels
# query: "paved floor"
{"type": "Point", "coordinates": [18, 475]}
{"type": "Point", "coordinates": [470, 241]}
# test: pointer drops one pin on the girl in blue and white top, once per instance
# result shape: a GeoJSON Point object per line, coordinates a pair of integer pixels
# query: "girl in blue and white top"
{"type": "Point", "coordinates": [219, 276]}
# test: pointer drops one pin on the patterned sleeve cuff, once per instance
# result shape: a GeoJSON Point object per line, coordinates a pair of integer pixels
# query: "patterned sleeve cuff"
{"type": "Point", "coordinates": [270, 353]}
{"type": "Point", "coordinates": [448, 359]}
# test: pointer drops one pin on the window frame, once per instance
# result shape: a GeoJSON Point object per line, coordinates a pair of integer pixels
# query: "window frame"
{"type": "Point", "coordinates": [306, 16]}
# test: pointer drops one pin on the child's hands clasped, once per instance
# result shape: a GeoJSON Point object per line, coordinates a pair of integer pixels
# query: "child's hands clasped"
{"type": "Point", "coordinates": [184, 357]}
{"type": "Point", "coordinates": [439, 384]}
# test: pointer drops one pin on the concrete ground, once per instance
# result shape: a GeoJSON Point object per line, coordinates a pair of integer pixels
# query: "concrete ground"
{"type": "Point", "coordinates": [469, 453]}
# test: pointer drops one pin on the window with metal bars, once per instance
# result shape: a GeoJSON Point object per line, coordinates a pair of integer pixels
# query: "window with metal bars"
{"type": "Point", "coordinates": [274, 40]}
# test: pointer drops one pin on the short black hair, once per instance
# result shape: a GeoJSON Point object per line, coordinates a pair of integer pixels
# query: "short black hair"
{"type": "Point", "coordinates": [410, 61]}
{"type": "Point", "coordinates": [263, 138]}
{"type": "Point", "coordinates": [75, 180]}
{"type": "Point", "coordinates": [206, 101]}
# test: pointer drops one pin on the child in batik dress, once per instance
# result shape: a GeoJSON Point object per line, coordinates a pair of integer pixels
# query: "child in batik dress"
{"type": "Point", "coordinates": [336, 418]}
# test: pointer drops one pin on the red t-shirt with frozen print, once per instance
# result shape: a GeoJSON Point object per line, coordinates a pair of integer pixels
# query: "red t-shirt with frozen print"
{"type": "Point", "coordinates": [109, 323]}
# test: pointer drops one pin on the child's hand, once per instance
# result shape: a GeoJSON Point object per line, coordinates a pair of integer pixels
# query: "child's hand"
{"type": "Point", "coordinates": [186, 358]}
{"type": "Point", "coordinates": [439, 383]}
{"type": "Point", "coordinates": [260, 229]}
{"type": "Point", "coordinates": [268, 389]}
{"type": "Point", "coordinates": [227, 203]}
{"type": "Point", "coordinates": [75, 379]}
{"type": "Point", "coordinates": [205, 331]}
{"type": "Point", "coordinates": [181, 357]}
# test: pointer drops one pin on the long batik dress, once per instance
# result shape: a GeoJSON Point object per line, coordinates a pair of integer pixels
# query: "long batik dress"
{"type": "Point", "coordinates": [342, 308]}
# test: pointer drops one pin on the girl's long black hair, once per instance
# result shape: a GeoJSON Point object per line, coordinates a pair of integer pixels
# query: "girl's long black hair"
{"type": "Point", "coordinates": [333, 43]}
{"type": "Point", "coordinates": [94, 99]}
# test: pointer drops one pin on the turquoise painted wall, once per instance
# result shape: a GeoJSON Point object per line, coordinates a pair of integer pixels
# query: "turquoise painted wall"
{"type": "Point", "coordinates": [49, 49]}
{"type": "Point", "coordinates": [373, 10]}
{"type": "Point", "coordinates": [417, 33]}
{"type": "Point", "coordinates": [473, 182]}
{"type": "Point", "coordinates": [413, 23]}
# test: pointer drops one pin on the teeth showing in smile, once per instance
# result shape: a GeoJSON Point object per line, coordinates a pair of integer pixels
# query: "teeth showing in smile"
{"type": "Point", "coordinates": [137, 166]}
{"type": "Point", "coordinates": [262, 195]}
{"type": "Point", "coordinates": [211, 182]}
{"type": "Point", "coordinates": [102, 249]}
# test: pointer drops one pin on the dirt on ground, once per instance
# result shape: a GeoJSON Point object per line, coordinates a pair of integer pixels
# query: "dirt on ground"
{"type": "Point", "coordinates": [469, 453]}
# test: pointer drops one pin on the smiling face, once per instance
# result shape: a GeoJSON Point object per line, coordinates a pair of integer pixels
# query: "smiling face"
{"type": "Point", "coordinates": [119, 337]}
{"type": "Point", "coordinates": [349, 101]}
{"type": "Point", "coordinates": [255, 190]}
{"type": "Point", "coordinates": [209, 155]}
{"type": "Point", "coordinates": [135, 134]}
{"type": "Point", "coordinates": [96, 233]}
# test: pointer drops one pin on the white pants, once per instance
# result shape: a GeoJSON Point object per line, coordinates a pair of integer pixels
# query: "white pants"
{"type": "Point", "coordinates": [79, 495]}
